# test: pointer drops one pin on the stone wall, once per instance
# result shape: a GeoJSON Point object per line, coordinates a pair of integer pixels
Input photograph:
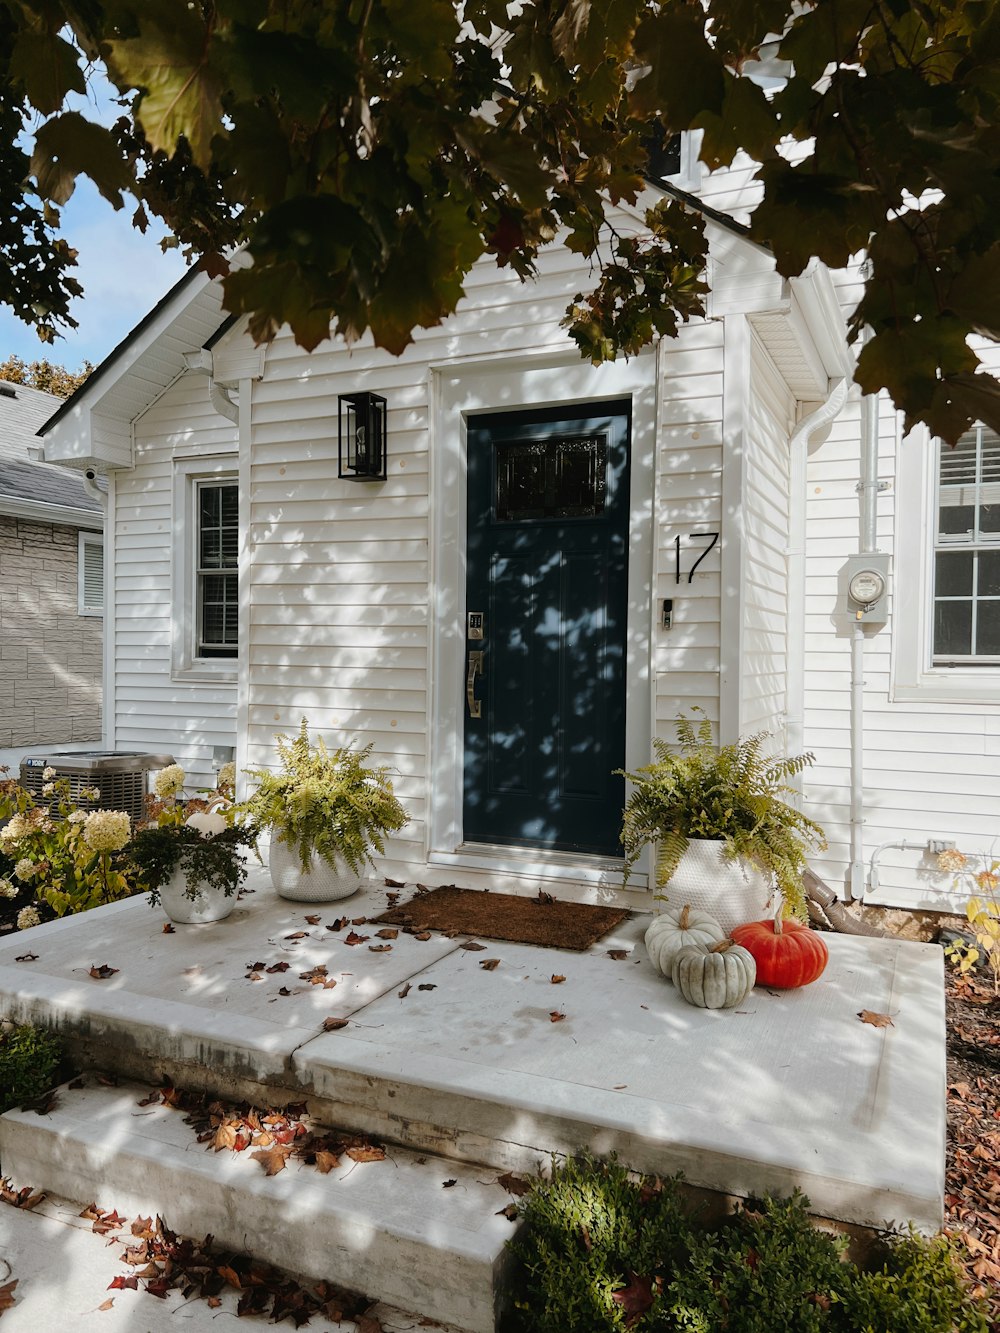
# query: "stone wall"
{"type": "Point", "coordinates": [50, 655]}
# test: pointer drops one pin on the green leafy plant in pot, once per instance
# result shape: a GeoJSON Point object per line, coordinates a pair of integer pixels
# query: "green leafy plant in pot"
{"type": "Point", "coordinates": [328, 811]}
{"type": "Point", "coordinates": [713, 809]}
{"type": "Point", "coordinates": [191, 856]}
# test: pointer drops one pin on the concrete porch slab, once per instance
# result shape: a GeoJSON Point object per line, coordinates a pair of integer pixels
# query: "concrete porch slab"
{"type": "Point", "coordinates": [791, 1089]}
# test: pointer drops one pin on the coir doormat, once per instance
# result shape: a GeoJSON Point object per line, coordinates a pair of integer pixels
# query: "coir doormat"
{"type": "Point", "coordinates": [543, 920]}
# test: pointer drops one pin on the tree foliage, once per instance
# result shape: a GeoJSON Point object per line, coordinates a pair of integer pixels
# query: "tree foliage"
{"type": "Point", "coordinates": [368, 153]}
{"type": "Point", "coordinates": [44, 375]}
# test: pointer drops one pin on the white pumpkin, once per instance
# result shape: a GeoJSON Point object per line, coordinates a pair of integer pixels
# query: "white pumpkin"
{"type": "Point", "coordinates": [715, 978]}
{"type": "Point", "coordinates": [670, 932]}
{"type": "Point", "coordinates": [208, 824]}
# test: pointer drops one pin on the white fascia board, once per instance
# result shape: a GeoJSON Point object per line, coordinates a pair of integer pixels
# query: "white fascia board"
{"type": "Point", "coordinates": [40, 512]}
{"type": "Point", "coordinates": [816, 297]}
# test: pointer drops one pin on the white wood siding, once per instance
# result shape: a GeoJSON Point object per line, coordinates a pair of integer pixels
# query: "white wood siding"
{"type": "Point", "coordinates": [931, 769]}
{"type": "Point", "coordinates": [152, 711]}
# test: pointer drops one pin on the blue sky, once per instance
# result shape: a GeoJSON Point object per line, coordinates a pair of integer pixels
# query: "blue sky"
{"type": "Point", "coordinates": [123, 273]}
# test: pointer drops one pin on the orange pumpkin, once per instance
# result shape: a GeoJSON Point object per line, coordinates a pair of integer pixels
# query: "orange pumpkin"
{"type": "Point", "coordinates": [787, 954]}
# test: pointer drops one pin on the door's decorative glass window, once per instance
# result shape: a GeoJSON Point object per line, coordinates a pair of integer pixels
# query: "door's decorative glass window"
{"type": "Point", "coordinates": [218, 548]}
{"type": "Point", "coordinates": [967, 551]}
{"type": "Point", "coordinates": [563, 477]}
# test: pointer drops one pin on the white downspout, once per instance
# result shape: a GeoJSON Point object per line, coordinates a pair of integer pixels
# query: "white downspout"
{"type": "Point", "coordinates": [827, 411]}
{"type": "Point", "coordinates": [868, 488]}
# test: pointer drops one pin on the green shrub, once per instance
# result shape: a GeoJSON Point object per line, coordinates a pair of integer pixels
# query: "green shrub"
{"type": "Point", "coordinates": [603, 1250]}
{"type": "Point", "coordinates": [29, 1059]}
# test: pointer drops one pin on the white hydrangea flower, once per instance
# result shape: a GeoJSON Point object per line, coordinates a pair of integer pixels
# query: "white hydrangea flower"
{"type": "Point", "coordinates": [48, 774]}
{"type": "Point", "coordinates": [15, 829]}
{"type": "Point", "coordinates": [107, 830]}
{"type": "Point", "coordinates": [48, 788]}
{"type": "Point", "coordinates": [25, 868]}
{"type": "Point", "coordinates": [76, 816]}
{"type": "Point", "coordinates": [7, 889]}
{"type": "Point", "coordinates": [27, 917]}
{"type": "Point", "coordinates": [227, 775]}
{"type": "Point", "coordinates": [90, 793]}
{"type": "Point", "coordinates": [168, 781]}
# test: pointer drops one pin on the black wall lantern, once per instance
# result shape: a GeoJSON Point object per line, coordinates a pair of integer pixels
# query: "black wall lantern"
{"type": "Point", "coordinates": [361, 437]}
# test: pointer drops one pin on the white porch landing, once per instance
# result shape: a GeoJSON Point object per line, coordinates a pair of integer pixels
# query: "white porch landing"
{"type": "Point", "coordinates": [792, 1089]}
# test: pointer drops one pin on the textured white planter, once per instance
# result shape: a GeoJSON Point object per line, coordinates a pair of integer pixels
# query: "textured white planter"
{"type": "Point", "coordinates": [730, 891]}
{"type": "Point", "coordinates": [209, 904]}
{"type": "Point", "coordinates": [321, 883]}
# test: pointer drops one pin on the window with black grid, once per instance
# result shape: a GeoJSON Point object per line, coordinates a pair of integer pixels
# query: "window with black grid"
{"type": "Point", "coordinates": [218, 546]}
{"type": "Point", "coordinates": [967, 551]}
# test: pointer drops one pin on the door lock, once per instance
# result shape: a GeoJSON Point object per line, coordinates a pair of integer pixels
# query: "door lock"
{"type": "Point", "coordinates": [475, 664]}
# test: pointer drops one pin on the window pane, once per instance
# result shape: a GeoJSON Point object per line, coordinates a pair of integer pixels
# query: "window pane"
{"type": "Point", "coordinates": [556, 478]}
{"type": "Point", "coordinates": [952, 629]}
{"type": "Point", "coordinates": [953, 574]}
{"type": "Point", "coordinates": [955, 519]}
{"type": "Point", "coordinates": [580, 479]}
{"type": "Point", "coordinates": [218, 549]}
{"type": "Point", "coordinates": [989, 574]}
{"type": "Point", "coordinates": [520, 481]}
{"type": "Point", "coordinates": [988, 628]}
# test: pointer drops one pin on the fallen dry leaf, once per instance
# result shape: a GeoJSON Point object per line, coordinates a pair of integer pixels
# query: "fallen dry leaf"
{"type": "Point", "coordinates": [167, 930]}
{"type": "Point", "coordinates": [543, 899]}
{"type": "Point", "coordinates": [325, 1161]}
{"type": "Point", "coordinates": [636, 1298]}
{"type": "Point", "coordinates": [386, 933]}
{"type": "Point", "coordinates": [358, 920]}
{"type": "Point", "coordinates": [510, 1212]}
{"type": "Point", "coordinates": [556, 979]}
{"type": "Point", "coordinates": [26, 958]}
{"type": "Point", "coordinates": [379, 948]}
{"type": "Point", "coordinates": [514, 1184]}
{"type": "Point", "coordinates": [283, 990]}
{"type": "Point", "coordinates": [404, 992]}
{"type": "Point", "coordinates": [278, 967]}
{"type": "Point", "coordinates": [555, 1016]}
{"type": "Point", "coordinates": [876, 1020]}
{"type": "Point", "coordinates": [334, 1024]}
{"type": "Point", "coordinates": [366, 1152]}
{"type": "Point", "coordinates": [427, 985]}
{"type": "Point", "coordinates": [298, 935]}
{"type": "Point", "coordinates": [489, 964]}
{"type": "Point", "coordinates": [447, 1184]}
{"type": "Point", "coordinates": [394, 883]}
{"type": "Point", "coordinates": [339, 924]}
{"type": "Point", "coordinates": [315, 975]}
{"type": "Point", "coordinates": [272, 1159]}
{"type": "Point", "coordinates": [472, 946]}
{"type": "Point", "coordinates": [22, 1198]}
{"type": "Point", "coordinates": [421, 934]}
{"type": "Point", "coordinates": [313, 920]}
{"type": "Point", "coordinates": [619, 955]}
{"type": "Point", "coordinates": [102, 972]}
{"type": "Point", "coordinates": [109, 1303]}
{"type": "Point", "coordinates": [352, 937]}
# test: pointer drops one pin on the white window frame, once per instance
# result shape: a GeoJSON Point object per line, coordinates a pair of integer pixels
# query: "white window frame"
{"type": "Point", "coordinates": [914, 675]}
{"type": "Point", "coordinates": [85, 539]}
{"type": "Point", "coordinates": [185, 664]}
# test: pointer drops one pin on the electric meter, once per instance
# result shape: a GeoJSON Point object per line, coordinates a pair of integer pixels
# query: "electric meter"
{"type": "Point", "coordinates": [866, 587]}
{"type": "Point", "coordinates": [864, 583]}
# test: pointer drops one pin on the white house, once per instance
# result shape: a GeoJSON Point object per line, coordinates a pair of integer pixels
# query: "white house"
{"type": "Point", "coordinates": [558, 561]}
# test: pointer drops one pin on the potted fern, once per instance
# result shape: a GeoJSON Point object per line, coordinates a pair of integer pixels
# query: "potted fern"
{"type": "Point", "coordinates": [327, 812]}
{"type": "Point", "coordinates": [725, 834]}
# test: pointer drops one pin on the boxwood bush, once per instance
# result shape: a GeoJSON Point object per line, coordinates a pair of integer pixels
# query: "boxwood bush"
{"type": "Point", "coordinates": [604, 1250]}
{"type": "Point", "coordinates": [29, 1063]}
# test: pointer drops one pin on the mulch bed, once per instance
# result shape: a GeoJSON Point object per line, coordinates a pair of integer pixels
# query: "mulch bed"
{"type": "Point", "coordinates": [543, 920]}
{"type": "Point", "coordinates": [972, 1173]}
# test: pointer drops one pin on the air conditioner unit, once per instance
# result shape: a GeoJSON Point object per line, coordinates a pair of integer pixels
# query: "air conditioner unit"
{"type": "Point", "coordinates": [119, 776]}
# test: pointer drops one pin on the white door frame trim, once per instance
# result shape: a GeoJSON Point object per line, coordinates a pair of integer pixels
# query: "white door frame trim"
{"type": "Point", "coordinates": [512, 385]}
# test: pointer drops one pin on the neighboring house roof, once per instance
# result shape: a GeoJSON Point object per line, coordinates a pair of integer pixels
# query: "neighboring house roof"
{"type": "Point", "coordinates": [37, 490]}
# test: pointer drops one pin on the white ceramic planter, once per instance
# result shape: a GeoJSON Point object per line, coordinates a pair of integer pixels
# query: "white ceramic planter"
{"type": "Point", "coordinates": [209, 904]}
{"type": "Point", "coordinates": [321, 883]}
{"type": "Point", "coordinates": [730, 891]}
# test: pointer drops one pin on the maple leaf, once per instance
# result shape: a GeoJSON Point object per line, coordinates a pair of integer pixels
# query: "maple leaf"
{"type": "Point", "coordinates": [278, 967]}
{"type": "Point", "coordinates": [339, 924]}
{"type": "Point", "coordinates": [298, 935]}
{"type": "Point", "coordinates": [366, 1152]}
{"type": "Point", "coordinates": [447, 1184]}
{"type": "Point", "coordinates": [313, 920]}
{"type": "Point", "coordinates": [230, 1277]}
{"type": "Point", "coordinates": [142, 1226]}
{"type": "Point", "coordinates": [124, 1282]}
{"type": "Point", "coordinates": [379, 948]}
{"type": "Point", "coordinates": [102, 972]}
{"type": "Point", "coordinates": [168, 928]}
{"type": "Point", "coordinates": [619, 955]}
{"type": "Point", "coordinates": [104, 1305]}
{"type": "Point", "coordinates": [635, 1299]}
{"type": "Point", "coordinates": [358, 920]}
{"type": "Point", "coordinates": [352, 937]}
{"type": "Point", "coordinates": [386, 933]}
{"type": "Point", "coordinates": [394, 883]}
{"type": "Point", "coordinates": [556, 979]}
{"type": "Point", "coordinates": [489, 964]}
{"type": "Point", "coordinates": [514, 1184]}
{"type": "Point", "coordinates": [509, 1212]}
{"type": "Point", "coordinates": [404, 992]}
{"type": "Point", "coordinates": [543, 899]}
{"type": "Point", "coordinates": [555, 1016]}
{"type": "Point", "coordinates": [472, 946]}
{"type": "Point", "coordinates": [421, 934]}
{"type": "Point", "coordinates": [876, 1020]}
{"type": "Point", "coordinates": [272, 1159]}
{"type": "Point", "coordinates": [334, 1024]}
{"type": "Point", "coordinates": [427, 985]}
{"type": "Point", "coordinates": [325, 1161]}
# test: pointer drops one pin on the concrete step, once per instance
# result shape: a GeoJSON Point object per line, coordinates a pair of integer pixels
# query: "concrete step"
{"type": "Point", "coordinates": [392, 1229]}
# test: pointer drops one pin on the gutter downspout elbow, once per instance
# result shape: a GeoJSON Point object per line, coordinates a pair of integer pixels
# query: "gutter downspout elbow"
{"type": "Point", "coordinates": [93, 490]}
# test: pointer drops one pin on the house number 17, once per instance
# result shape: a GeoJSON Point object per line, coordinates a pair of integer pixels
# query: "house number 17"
{"type": "Point", "coordinates": [713, 537]}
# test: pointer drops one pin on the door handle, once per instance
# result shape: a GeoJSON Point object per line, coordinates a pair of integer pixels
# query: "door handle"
{"type": "Point", "coordinates": [475, 664]}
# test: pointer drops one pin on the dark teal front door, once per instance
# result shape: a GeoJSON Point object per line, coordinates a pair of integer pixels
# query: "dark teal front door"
{"type": "Point", "coordinates": [547, 599]}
